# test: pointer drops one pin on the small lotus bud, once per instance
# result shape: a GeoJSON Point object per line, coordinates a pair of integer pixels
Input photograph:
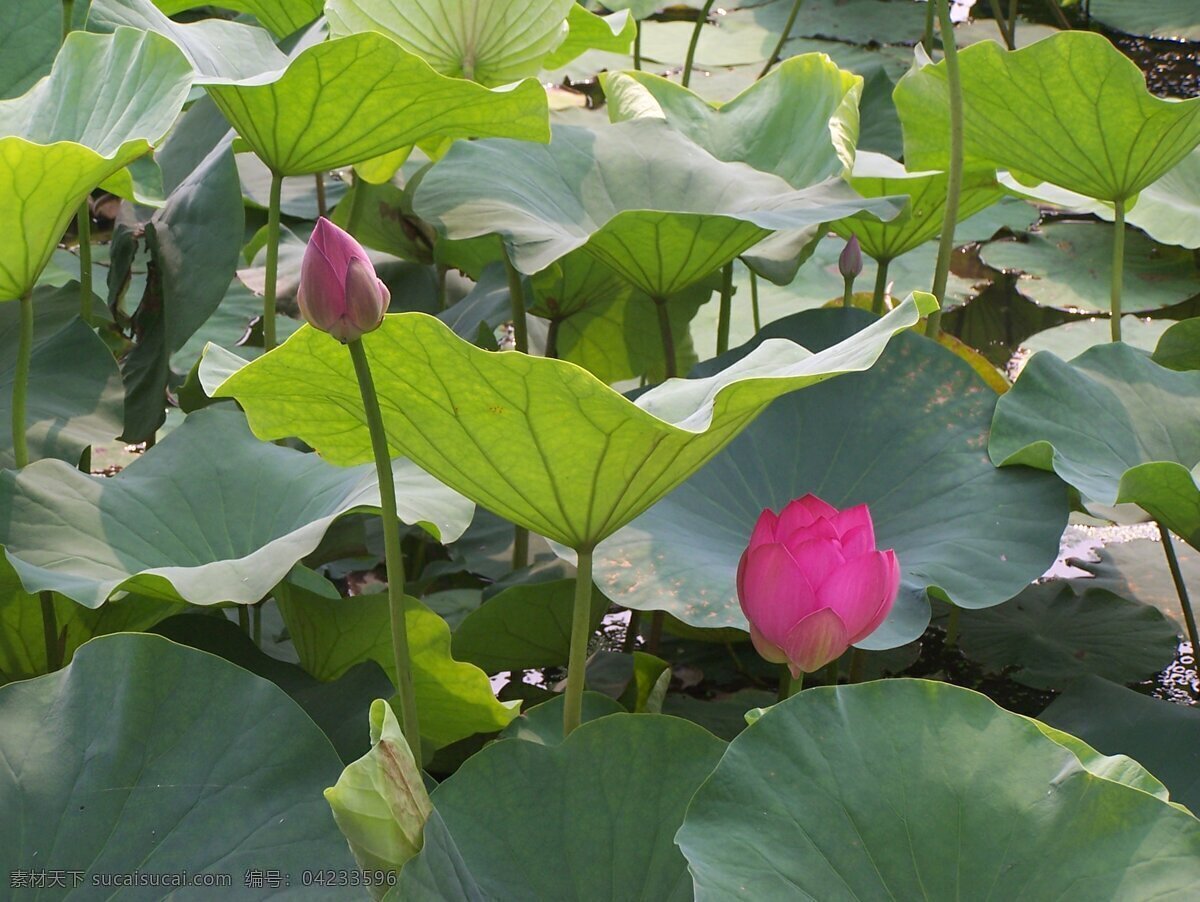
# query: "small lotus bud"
{"type": "Point", "coordinates": [339, 291]}
{"type": "Point", "coordinates": [850, 262]}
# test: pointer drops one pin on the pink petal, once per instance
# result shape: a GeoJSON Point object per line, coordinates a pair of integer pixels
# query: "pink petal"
{"type": "Point", "coordinates": [338, 246]}
{"type": "Point", "coordinates": [817, 559]}
{"type": "Point", "coordinates": [857, 542]}
{"type": "Point", "coordinates": [764, 528]}
{"type": "Point", "coordinates": [854, 590]}
{"type": "Point", "coordinates": [321, 293]}
{"type": "Point", "coordinates": [818, 530]}
{"type": "Point", "coordinates": [768, 650]}
{"type": "Point", "coordinates": [853, 518]}
{"type": "Point", "coordinates": [773, 592]}
{"type": "Point", "coordinates": [892, 580]}
{"type": "Point", "coordinates": [803, 512]}
{"type": "Point", "coordinates": [816, 640]}
{"type": "Point", "coordinates": [366, 296]}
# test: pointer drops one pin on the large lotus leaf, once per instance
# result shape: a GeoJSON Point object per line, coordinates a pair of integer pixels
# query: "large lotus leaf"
{"type": "Point", "coordinates": [216, 48]}
{"type": "Point", "coordinates": [1068, 265]}
{"type": "Point", "coordinates": [574, 283]}
{"type": "Point", "coordinates": [361, 96]}
{"type": "Point", "coordinates": [914, 451]}
{"type": "Point", "coordinates": [859, 792]}
{"type": "Point", "coordinates": [208, 515]}
{"type": "Point", "coordinates": [281, 16]}
{"type": "Point", "coordinates": [75, 397]}
{"type": "Point", "coordinates": [608, 800]}
{"type": "Point", "coordinates": [1073, 338]}
{"type": "Point", "coordinates": [1112, 423]}
{"type": "Point", "coordinates": [1138, 570]}
{"type": "Point", "coordinates": [1163, 736]}
{"type": "Point", "coordinates": [1179, 347]}
{"type": "Point", "coordinates": [610, 33]}
{"type": "Point", "coordinates": [1071, 110]}
{"type": "Point", "coordinates": [800, 122]}
{"type": "Point", "coordinates": [878, 176]}
{"type": "Point", "coordinates": [106, 101]}
{"type": "Point", "coordinates": [492, 43]}
{"type": "Point", "coordinates": [1175, 19]}
{"type": "Point", "coordinates": [455, 699]}
{"type": "Point", "coordinates": [30, 32]}
{"type": "Point", "coordinates": [639, 195]}
{"type": "Point", "coordinates": [143, 756]}
{"type": "Point", "coordinates": [536, 440]}
{"type": "Point", "coordinates": [1057, 631]}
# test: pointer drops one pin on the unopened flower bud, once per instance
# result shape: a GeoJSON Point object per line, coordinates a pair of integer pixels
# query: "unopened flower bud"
{"type": "Point", "coordinates": [339, 291]}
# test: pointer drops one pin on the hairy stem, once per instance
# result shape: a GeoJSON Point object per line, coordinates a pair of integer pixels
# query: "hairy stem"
{"type": "Point", "coordinates": [1118, 269]}
{"type": "Point", "coordinates": [783, 37]}
{"type": "Point", "coordinates": [393, 555]}
{"type": "Point", "coordinates": [581, 618]}
{"type": "Point", "coordinates": [1185, 604]}
{"type": "Point", "coordinates": [701, 21]}
{"type": "Point", "coordinates": [272, 262]}
{"type": "Point", "coordinates": [954, 174]}
{"type": "Point", "coordinates": [881, 282]}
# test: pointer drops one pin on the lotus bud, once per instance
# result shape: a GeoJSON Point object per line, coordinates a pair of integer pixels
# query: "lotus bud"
{"type": "Point", "coordinates": [850, 262]}
{"type": "Point", "coordinates": [339, 291]}
{"type": "Point", "coordinates": [812, 583]}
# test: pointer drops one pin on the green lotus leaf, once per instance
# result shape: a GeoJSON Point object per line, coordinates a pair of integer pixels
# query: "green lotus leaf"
{"type": "Point", "coordinates": [800, 122]}
{"type": "Point", "coordinates": [638, 195]}
{"type": "Point", "coordinates": [877, 176]}
{"type": "Point", "coordinates": [543, 723]}
{"type": "Point", "coordinates": [1179, 347]}
{"type": "Point", "coordinates": [1071, 110]}
{"type": "Point", "coordinates": [106, 101]}
{"type": "Point", "coordinates": [1138, 570]}
{"type": "Point", "coordinates": [208, 515]}
{"type": "Point", "coordinates": [1057, 631]}
{"type": "Point", "coordinates": [1163, 735]}
{"type": "Point", "coordinates": [1113, 424]}
{"type": "Point", "coordinates": [1175, 19]}
{"type": "Point", "coordinates": [216, 48]}
{"type": "Point", "coordinates": [1071, 339]}
{"type": "Point", "coordinates": [75, 396]}
{"type": "Point", "coordinates": [858, 792]}
{"type": "Point", "coordinates": [331, 635]}
{"type": "Point", "coordinates": [1067, 265]}
{"type": "Point", "coordinates": [30, 32]}
{"type": "Point", "coordinates": [493, 44]}
{"type": "Point", "coordinates": [536, 440]}
{"type": "Point", "coordinates": [361, 96]}
{"type": "Point", "coordinates": [1118, 768]}
{"type": "Point", "coordinates": [283, 17]}
{"type": "Point", "coordinates": [380, 802]}
{"type": "Point", "coordinates": [156, 758]}
{"type": "Point", "coordinates": [914, 446]}
{"type": "Point", "coordinates": [603, 844]}
{"type": "Point", "coordinates": [574, 283]}
{"type": "Point", "coordinates": [613, 33]}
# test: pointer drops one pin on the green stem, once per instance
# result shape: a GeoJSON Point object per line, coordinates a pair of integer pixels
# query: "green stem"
{"type": "Point", "coordinates": [1012, 24]}
{"type": "Point", "coordinates": [754, 300]}
{"type": "Point", "coordinates": [84, 229]}
{"type": "Point", "coordinates": [927, 38]}
{"type": "Point", "coordinates": [789, 685]}
{"type": "Point", "coordinates": [552, 337]}
{"type": "Point", "coordinates": [954, 174]}
{"type": "Point", "coordinates": [442, 272]}
{"type": "Point", "coordinates": [637, 48]}
{"type": "Point", "coordinates": [516, 298]}
{"type": "Point", "coordinates": [68, 17]}
{"type": "Point", "coordinates": [520, 555]}
{"type": "Point", "coordinates": [847, 291]}
{"type": "Point", "coordinates": [256, 624]}
{"type": "Point", "coordinates": [701, 21]}
{"type": "Point", "coordinates": [321, 208]}
{"type": "Point", "coordinates": [657, 619]}
{"type": "Point", "coordinates": [1000, 22]}
{"type": "Point", "coordinates": [858, 665]}
{"type": "Point", "coordinates": [881, 276]}
{"type": "Point", "coordinates": [243, 619]}
{"type": "Point", "coordinates": [832, 672]}
{"type": "Point", "coordinates": [272, 262]}
{"type": "Point", "coordinates": [393, 555]}
{"type": "Point", "coordinates": [783, 37]}
{"type": "Point", "coordinates": [1118, 269]}
{"type": "Point", "coordinates": [668, 340]}
{"type": "Point", "coordinates": [20, 389]}
{"type": "Point", "coordinates": [631, 632]}
{"type": "Point", "coordinates": [1185, 604]}
{"type": "Point", "coordinates": [726, 309]}
{"type": "Point", "coordinates": [581, 630]}
{"type": "Point", "coordinates": [951, 639]}
{"type": "Point", "coordinates": [50, 632]}
{"type": "Point", "coordinates": [1059, 16]}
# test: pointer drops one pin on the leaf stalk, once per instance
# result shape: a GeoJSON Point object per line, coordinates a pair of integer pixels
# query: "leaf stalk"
{"type": "Point", "coordinates": [955, 173]}
{"type": "Point", "coordinates": [581, 631]}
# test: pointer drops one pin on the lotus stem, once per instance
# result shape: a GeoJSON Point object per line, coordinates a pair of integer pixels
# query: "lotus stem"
{"type": "Point", "coordinates": [637, 48]}
{"type": "Point", "coordinates": [552, 337]}
{"type": "Point", "coordinates": [788, 684]}
{"type": "Point", "coordinates": [244, 619]}
{"type": "Point", "coordinates": [393, 554]}
{"type": "Point", "coordinates": [442, 272]}
{"type": "Point", "coordinates": [880, 295]}
{"type": "Point", "coordinates": [726, 309]}
{"type": "Point", "coordinates": [68, 13]}
{"type": "Point", "coordinates": [581, 623]}
{"type": "Point", "coordinates": [516, 298]}
{"type": "Point", "coordinates": [20, 390]}
{"type": "Point", "coordinates": [754, 300]}
{"type": "Point", "coordinates": [1185, 604]}
{"type": "Point", "coordinates": [701, 21]}
{"type": "Point", "coordinates": [951, 639]}
{"type": "Point", "coordinates": [927, 38]}
{"type": "Point", "coordinates": [272, 261]}
{"type": "Point", "coordinates": [954, 175]}
{"type": "Point", "coordinates": [833, 671]}
{"type": "Point", "coordinates": [1118, 268]}
{"type": "Point", "coordinates": [858, 665]}
{"type": "Point", "coordinates": [321, 208]}
{"type": "Point", "coordinates": [256, 623]}
{"type": "Point", "coordinates": [668, 340]}
{"type": "Point", "coordinates": [50, 632]}
{"type": "Point", "coordinates": [783, 37]}
{"type": "Point", "coordinates": [1059, 16]}
{"type": "Point", "coordinates": [83, 228]}
{"type": "Point", "coordinates": [631, 632]}
{"type": "Point", "coordinates": [1012, 23]}
{"type": "Point", "coordinates": [1001, 24]}
{"type": "Point", "coordinates": [654, 640]}
{"type": "Point", "coordinates": [847, 291]}
{"type": "Point", "coordinates": [520, 555]}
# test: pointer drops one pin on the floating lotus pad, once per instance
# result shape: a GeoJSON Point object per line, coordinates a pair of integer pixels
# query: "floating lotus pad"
{"type": "Point", "coordinates": [538, 441]}
{"type": "Point", "coordinates": [358, 97]}
{"type": "Point", "coordinates": [208, 515]}
{"type": "Point", "coordinates": [1112, 423]}
{"type": "Point", "coordinates": [859, 791]}
{"type": "Point", "coordinates": [106, 101]}
{"type": "Point", "coordinates": [640, 196]}
{"type": "Point", "coordinates": [1071, 110]}
{"type": "Point", "coordinates": [914, 450]}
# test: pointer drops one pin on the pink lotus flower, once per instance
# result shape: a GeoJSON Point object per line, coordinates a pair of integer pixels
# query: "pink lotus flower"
{"type": "Point", "coordinates": [339, 291]}
{"type": "Point", "coordinates": [812, 583]}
